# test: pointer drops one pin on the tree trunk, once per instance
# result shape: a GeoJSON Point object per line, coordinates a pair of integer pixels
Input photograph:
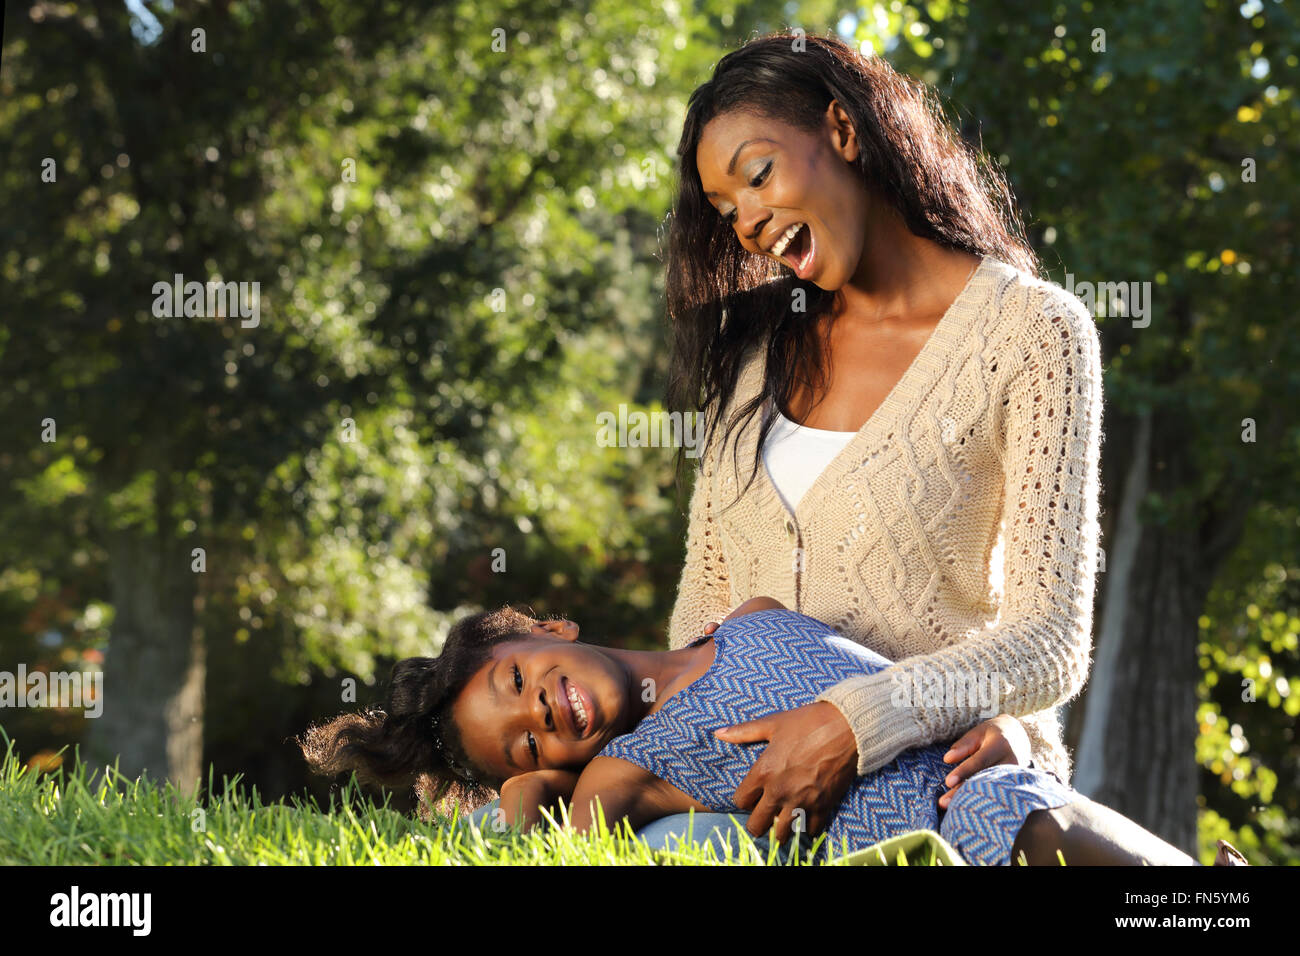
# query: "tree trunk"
{"type": "Point", "coordinates": [155, 665]}
{"type": "Point", "coordinates": [1136, 724]}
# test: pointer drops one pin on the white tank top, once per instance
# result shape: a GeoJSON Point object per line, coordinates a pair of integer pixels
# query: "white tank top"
{"type": "Point", "coordinates": [795, 455]}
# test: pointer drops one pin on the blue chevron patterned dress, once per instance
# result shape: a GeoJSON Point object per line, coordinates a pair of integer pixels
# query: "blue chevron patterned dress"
{"type": "Point", "coordinates": [777, 660]}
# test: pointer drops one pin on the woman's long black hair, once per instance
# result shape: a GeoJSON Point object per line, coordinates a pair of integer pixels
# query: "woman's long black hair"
{"type": "Point", "coordinates": [411, 741]}
{"type": "Point", "coordinates": [910, 155]}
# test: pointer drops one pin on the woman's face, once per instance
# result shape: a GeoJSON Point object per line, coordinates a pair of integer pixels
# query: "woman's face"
{"type": "Point", "coordinates": [783, 177]}
{"type": "Point", "coordinates": [542, 703]}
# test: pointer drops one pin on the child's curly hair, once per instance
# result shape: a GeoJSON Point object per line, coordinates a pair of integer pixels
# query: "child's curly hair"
{"type": "Point", "coordinates": [411, 740]}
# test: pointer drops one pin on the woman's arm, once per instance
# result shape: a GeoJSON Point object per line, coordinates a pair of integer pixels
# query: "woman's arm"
{"type": "Point", "coordinates": [1039, 650]}
{"type": "Point", "coordinates": [704, 591]}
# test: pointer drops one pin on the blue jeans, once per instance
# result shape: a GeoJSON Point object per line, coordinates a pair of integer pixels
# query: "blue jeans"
{"type": "Point", "coordinates": [667, 833]}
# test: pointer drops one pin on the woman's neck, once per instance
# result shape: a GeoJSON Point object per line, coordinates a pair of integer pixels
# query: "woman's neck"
{"type": "Point", "coordinates": [901, 274]}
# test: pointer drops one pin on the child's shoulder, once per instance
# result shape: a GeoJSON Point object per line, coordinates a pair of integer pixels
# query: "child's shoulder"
{"type": "Point", "coordinates": [761, 603]}
{"type": "Point", "coordinates": [766, 638]}
{"type": "Point", "coordinates": [771, 618]}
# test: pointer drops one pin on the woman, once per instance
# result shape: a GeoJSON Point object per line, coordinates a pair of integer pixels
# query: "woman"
{"type": "Point", "coordinates": [892, 395]}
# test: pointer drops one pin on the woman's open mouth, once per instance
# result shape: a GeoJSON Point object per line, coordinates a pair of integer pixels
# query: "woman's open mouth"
{"type": "Point", "coordinates": [796, 248]}
{"type": "Point", "coordinates": [579, 709]}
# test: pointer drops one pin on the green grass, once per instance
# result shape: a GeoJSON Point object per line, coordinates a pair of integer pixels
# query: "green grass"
{"type": "Point", "coordinates": [68, 816]}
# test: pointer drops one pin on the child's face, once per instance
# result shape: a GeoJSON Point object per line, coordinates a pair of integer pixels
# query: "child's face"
{"type": "Point", "coordinates": [516, 715]}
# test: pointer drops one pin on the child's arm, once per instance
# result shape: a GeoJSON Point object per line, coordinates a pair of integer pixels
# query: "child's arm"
{"type": "Point", "coordinates": [1000, 740]}
{"type": "Point", "coordinates": [625, 791]}
{"type": "Point", "coordinates": [523, 796]}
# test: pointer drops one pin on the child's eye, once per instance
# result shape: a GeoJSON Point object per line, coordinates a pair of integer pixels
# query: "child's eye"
{"type": "Point", "coordinates": [519, 680]}
{"type": "Point", "coordinates": [532, 746]}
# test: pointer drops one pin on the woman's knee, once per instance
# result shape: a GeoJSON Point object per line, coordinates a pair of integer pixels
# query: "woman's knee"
{"type": "Point", "coordinates": [683, 829]}
{"type": "Point", "coordinates": [1039, 837]}
{"type": "Point", "coordinates": [1002, 810]}
{"type": "Point", "coordinates": [486, 815]}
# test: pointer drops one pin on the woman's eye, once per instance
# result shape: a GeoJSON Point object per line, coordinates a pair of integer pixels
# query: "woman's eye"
{"type": "Point", "coordinates": [532, 746]}
{"type": "Point", "coordinates": [519, 680]}
{"type": "Point", "coordinates": [757, 181]}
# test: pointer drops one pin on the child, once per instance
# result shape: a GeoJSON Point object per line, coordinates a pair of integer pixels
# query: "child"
{"type": "Point", "coordinates": [522, 707]}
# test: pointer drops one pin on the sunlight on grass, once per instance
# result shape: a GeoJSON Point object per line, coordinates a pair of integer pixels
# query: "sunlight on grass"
{"type": "Point", "coordinates": [70, 816]}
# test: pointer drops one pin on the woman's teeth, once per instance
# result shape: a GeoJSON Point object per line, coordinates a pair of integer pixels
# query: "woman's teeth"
{"type": "Point", "coordinates": [579, 712]}
{"type": "Point", "coordinates": [779, 247]}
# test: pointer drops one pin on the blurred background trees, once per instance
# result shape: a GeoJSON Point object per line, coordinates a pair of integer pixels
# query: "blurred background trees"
{"type": "Point", "coordinates": [454, 213]}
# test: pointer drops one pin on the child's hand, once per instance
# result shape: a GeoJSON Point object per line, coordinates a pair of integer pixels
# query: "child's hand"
{"type": "Point", "coordinates": [1000, 740]}
{"type": "Point", "coordinates": [524, 795]}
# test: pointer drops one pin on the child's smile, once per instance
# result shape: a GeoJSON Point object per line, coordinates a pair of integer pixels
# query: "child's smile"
{"type": "Point", "coordinates": [578, 707]}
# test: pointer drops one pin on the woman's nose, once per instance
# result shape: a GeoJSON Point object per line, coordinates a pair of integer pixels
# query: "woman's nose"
{"type": "Point", "coordinates": [750, 219]}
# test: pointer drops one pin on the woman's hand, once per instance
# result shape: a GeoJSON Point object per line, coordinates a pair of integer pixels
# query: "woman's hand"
{"type": "Point", "coordinates": [524, 795]}
{"type": "Point", "coordinates": [1000, 740]}
{"type": "Point", "coordinates": [810, 761]}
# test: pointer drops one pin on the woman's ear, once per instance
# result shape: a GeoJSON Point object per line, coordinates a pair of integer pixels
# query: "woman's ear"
{"type": "Point", "coordinates": [844, 138]}
{"type": "Point", "coordinates": [564, 630]}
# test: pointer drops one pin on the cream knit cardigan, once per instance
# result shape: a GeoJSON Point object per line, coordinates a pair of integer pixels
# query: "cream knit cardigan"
{"type": "Point", "coordinates": [990, 442]}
